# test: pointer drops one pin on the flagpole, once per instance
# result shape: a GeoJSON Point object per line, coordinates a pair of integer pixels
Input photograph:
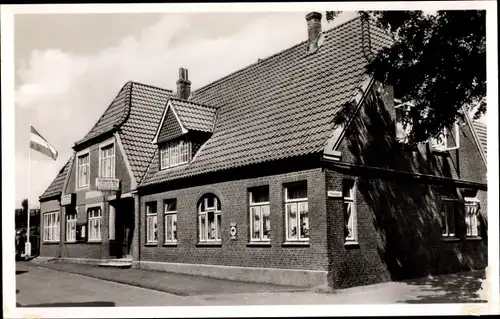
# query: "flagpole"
{"type": "Point", "coordinates": [27, 247]}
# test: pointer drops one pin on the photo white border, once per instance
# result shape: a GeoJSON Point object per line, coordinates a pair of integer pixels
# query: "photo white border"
{"type": "Point", "coordinates": [8, 157]}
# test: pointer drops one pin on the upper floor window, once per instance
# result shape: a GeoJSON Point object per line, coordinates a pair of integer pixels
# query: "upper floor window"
{"type": "Point", "coordinates": [175, 153]}
{"type": "Point", "coordinates": [260, 221]}
{"type": "Point", "coordinates": [209, 219]}
{"type": "Point", "coordinates": [83, 170]}
{"type": "Point", "coordinates": [296, 212]}
{"type": "Point", "coordinates": [107, 161]}
{"type": "Point", "coordinates": [403, 121]}
{"type": "Point", "coordinates": [448, 139]}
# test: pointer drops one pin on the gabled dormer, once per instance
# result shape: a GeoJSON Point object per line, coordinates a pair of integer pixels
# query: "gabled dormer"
{"type": "Point", "coordinates": [184, 127]}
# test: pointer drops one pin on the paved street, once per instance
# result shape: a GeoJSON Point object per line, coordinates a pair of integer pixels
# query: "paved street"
{"type": "Point", "coordinates": [42, 287]}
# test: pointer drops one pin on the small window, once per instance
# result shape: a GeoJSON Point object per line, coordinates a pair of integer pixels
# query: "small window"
{"type": "Point", "coordinates": [51, 227]}
{"type": "Point", "coordinates": [447, 140]}
{"type": "Point", "coordinates": [448, 219]}
{"type": "Point", "coordinates": [175, 153]}
{"type": "Point", "coordinates": [403, 122]}
{"type": "Point", "coordinates": [107, 161]}
{"type": "Point", "coordinates": [83, 171]}
{"type": "Point", "coordinates": [350, 218]}
{"type": "Point", "coordinates": [151, 223]}
{"type": "Point", "coordinates": [95, 223]}
{"type": "Point", "coordinates": [260, 221]}
{"type": "Point", "coordinates": [209, 219]}
{"type": "Point", "coordinates": [71, 227]}
{"type": "Point", "coordinates": [296, 212]}
{"type": "Point", "coordinates": [170, 221]}
{"type": "Point", "coordinates": [472, 217]}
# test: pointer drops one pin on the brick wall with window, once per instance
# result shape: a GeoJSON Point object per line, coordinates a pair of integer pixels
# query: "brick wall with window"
{"type": "Point", "coordinates": [257, 207]}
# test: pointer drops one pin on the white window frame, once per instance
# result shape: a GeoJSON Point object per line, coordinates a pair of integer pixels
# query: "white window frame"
{"type": "Point", "coordinates": [94, 222]}
{"type": "Point", "coordinates": [472, 221]}
{"type": "Point", "coordinates": [51, 223]}
{"type": "Point", "coordinates": [175, 150]}
{"type": "Point", "coordinates": [349, 202]}
{"type": "Point", "coordinates": [151, 214]}
{"type": "Point", "coordinates": [403, 107]}
{"type": "Point", "coordinates": [297, 201]}
{"type": "Point", "coordinates": [443, 145]}
{"type": "Point", "coordinates": [448, 232]}
{"type": "Point", "coordinates": [71, 220]}
{"type": "Point", "coordinates": [204, 213]}
{"type": "Point", "coordinates": [173, 214]}
{"type": "Point", "coordinates": [259, 205]}
{"type": "Point", "coordinates": [85, 153]}
{"type": "Point", "coordinates": [112, 158]}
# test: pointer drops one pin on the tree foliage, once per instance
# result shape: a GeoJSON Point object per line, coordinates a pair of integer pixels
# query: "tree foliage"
{"type": "Point", "coordinates": [437, 63]}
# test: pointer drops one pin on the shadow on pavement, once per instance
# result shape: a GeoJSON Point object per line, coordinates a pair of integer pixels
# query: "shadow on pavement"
{"type": "Point", "coordinates": [71, 304]}
{"type": "Point", "coordinates": [452, 288]}
{"type": "Point", "coordinates": [19, 272]}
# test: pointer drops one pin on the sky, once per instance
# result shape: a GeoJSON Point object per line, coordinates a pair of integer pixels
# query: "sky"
{"type": "Point", "coordinates": [69, 67]}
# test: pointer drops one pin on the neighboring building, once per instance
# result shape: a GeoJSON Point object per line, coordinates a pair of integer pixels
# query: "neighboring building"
{"type": "Point", "coordinates": [248, 177]}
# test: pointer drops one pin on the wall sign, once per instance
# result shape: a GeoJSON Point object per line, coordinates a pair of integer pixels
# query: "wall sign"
{"type": "Point", "coordinates": [334, 194]}
{"type": "Point", "coordinates": [107, 184]}
{"type": "Point", "coordinates": [67, 199]}
{"type": "Point", "coordinates": [233, 231]}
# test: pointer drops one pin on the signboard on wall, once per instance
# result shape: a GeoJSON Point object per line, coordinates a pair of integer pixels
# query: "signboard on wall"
{"type": "Point", "coordinates": [67, 199]}
{"type": "Point", "coordinates": [107, 184]}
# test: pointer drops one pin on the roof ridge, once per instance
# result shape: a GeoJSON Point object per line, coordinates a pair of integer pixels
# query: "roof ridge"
{"type": "Point", "coordinates": [151, 86]}
{"type": "Point", "coordinates": [262, 60]}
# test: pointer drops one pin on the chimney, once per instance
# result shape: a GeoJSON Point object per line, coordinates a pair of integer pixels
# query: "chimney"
{"type": "Point", "coordinates": [314, 30]}
{"type": "Point", "coordinates": [183, 85]}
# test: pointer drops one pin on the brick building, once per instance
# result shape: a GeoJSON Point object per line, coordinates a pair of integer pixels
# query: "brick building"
{"type": "Point", "coordinates": [249, 178]}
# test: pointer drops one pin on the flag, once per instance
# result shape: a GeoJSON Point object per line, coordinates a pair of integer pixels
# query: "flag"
{"type": "Point", "coordinates": [38, 143]}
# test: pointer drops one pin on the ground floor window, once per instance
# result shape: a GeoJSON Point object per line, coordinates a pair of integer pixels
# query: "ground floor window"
{"type": "Point", "coordinates": [472, 218]}
{"type": "Point", "coordinates": [296, 212]}
{"type": "Point", "coordinates": [448, 219]}
{"type": "Point", "coordinates": [51, 226]}
{"type": "Point", "coordinates": [260, 221]}
{"type": "Point", "coordinates": [71, 227]}
{"type": "Point", "coordinates": [350, 217]}
{"type": "Point", "coordinates": [151, 223]}
{"type": "Point", "coordinates": [209, 219]}
{"type": "Point", "coordinates": [95, 223]}
{"type": "Point", "coordinates": [170, 221]}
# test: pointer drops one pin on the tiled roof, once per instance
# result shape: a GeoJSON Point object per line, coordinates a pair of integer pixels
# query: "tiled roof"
{"type": "Point", "coordinates": [116, 113]}
{"type": "Point", "coordinates": [170, 128]}
{"type": "Point", "coordinates": [481, 132]}
{"type": "Point", "coordinates": [195, 116]}
{"type": "Point", "coordinates": [280, 107]}
{"type": "Point", "coordinates": [147, 104]}
{"type": "Point", "coordinates": [55, 188]}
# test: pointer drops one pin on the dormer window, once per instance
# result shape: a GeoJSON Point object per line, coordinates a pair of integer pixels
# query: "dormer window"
{"type": "Point", "coordinates": [175, 153]}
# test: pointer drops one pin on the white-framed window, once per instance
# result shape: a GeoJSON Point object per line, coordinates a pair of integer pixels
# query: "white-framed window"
{"type": "Point", "coordinates": [472, 217]}
{"type": "Point", "coordinates": [448, 218]}
{"type": "Point", "coordinates": [95, 223]}
{"type": "Point", "coordinates": [403, 121]}
{"type": "Point", "coordinates": [175, 153]}
{"type": "Point", "coordinates": [170, 213]}
{"type": "Point", "coordinates": [209, 219]}
{"type": "Point", "coordinates": [448, 139]}
{"type": "Point", "coordinates": [51, 226]}
{"type": "Point", "coordinates": [107, 161]}
{"type": "Point", "coordinates": [260, 219]}
{"type": "Point", "coordinates": [350, 217]}
{"type": "Point", "coordinates": [71, 226]}
{"type": "Point", "coordinates": [151, 223]}
{"type": "Point", "coordinates": [83, 173]}
{"type": "Point", "coordinates": [296, 212]}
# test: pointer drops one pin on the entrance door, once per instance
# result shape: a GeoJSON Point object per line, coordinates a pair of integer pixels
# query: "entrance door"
{"type": "Point", "coordinates": [124, 226]}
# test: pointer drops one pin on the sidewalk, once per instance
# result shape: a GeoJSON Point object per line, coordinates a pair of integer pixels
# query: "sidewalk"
{"type": "Point", "coordinates": [178, 284]}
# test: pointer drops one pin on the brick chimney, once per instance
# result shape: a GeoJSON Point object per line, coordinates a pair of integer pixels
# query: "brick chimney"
{"type": "Point", "coordinates": [314, 30]}
{"type": "Point", "coordinates": [183, 85]}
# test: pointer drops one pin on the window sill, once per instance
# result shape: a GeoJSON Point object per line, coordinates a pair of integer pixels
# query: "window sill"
{"type": "Point", "coordinates": [474, 238]}
{"type": "Point", "coordinates": [169, 244]}
{"type": "Point", "coordinates": [450, 239]}
{"type": "Point", "coordinates": [51, 242]}
{"type": "Point", "coordinates": [351, 244]}
{"type": "Point", "coordinates": [71, 242]}
{"type": "Point", "coordinates": [151, 244]}
{"type": "Point", "coordinates": [295, 243]}
{"type": "Point", "coordinates": [209, 244]}
{"type": "Point", "coordinates": [259, 244]}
